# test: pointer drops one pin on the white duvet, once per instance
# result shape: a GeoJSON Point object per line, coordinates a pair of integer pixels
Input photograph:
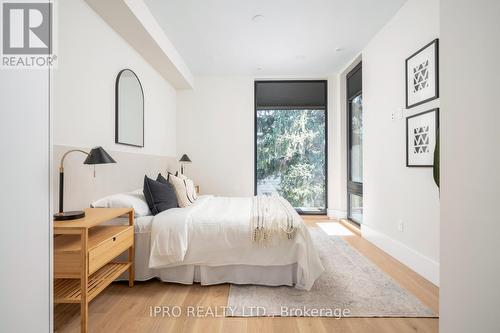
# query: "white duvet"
{"type": "Point", "coordinates": [216, 231]}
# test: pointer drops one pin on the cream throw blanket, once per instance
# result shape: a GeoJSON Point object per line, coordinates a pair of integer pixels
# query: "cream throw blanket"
{"type": "Point", "coordinates": [272, 219]}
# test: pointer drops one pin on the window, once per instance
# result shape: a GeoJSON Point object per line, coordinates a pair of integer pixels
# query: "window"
{"type": "Point", "coordinates": [355, 145]}
{"type": "Point", "coordinates": [291, 142]}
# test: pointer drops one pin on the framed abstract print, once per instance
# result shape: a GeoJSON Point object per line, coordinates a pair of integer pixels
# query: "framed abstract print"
{"type": "Point", "coordinates": [422, 75]}
{"type": "Point", "coordinates": [421, 135]}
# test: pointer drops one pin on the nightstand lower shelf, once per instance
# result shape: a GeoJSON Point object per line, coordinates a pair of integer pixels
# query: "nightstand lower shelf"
{"type": "Point", "coordinates": [68, 290]}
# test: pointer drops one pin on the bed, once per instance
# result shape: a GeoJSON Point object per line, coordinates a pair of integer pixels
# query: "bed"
{"type": "Point", "coordinates": [217, 240]}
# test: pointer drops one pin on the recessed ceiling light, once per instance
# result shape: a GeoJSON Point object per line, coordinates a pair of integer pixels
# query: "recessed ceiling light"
{"type": "Point", "coordinates": [258, 18]}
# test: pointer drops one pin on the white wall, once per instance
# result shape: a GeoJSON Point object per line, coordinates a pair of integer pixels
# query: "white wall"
{"type": "Point", "coordinates": [336, 133]}
{"type": "Point", "coordinates": [393, 192]}
{"type": "Point", "coordinates": [90, 56]}
{"type": "Point", "coordinates": [25, 246]}
{"type": "Point", "coordinates": [470, 181]}
{"type": "Point", "coordinates": [215, 128]}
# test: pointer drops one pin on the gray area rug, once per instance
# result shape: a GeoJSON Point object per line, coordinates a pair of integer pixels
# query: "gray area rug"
{"type": "Point", "coordinates": [351, 286]}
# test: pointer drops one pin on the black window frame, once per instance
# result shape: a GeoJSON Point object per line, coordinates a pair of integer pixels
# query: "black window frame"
{"type": "Point", "coordinates": [325, 108]}
{"type": "Point", "coordinates": [355, 188]}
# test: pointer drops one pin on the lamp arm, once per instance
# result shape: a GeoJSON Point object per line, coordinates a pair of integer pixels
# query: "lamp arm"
{"type": "Point", "coordinates": [61, 166]}
{"type": "Point", "coordinates": [61, 178]}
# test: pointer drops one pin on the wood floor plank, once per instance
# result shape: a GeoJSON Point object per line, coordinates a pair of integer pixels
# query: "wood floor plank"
{"type": "Point", "coordinates": [307, 325]}
{"type": "Point", "coordinates": [336, 325]}
{"type": "Point", "coordinates": [286, 324]}
{"type": "Point", "coordinates": [231, 325]}
{"type": "Point", "coordinates": [123, 309]}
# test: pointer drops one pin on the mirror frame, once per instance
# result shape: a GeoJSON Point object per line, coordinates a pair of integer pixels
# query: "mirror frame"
{"type": "Point", "coordinates": [117, 107]}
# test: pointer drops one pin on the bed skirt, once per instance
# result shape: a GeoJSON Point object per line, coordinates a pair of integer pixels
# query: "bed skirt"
{"type": "Point", "coordinates": [207, 275]}
{"type": "Point", "coordinates": [237, 274]}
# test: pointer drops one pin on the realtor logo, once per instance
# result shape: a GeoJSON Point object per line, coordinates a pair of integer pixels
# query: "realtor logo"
{"type": "Point", "coordinates": [27, 34]}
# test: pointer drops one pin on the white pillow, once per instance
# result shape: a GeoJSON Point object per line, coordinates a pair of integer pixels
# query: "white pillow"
{"type": "Point", "coordinates": [133, 200]}
{"type": "Point", "coordinates": [181, 176]}
{"type": "Point", "coordinates": [183, 190]}
{"type": "Point", "coordinates": [191, 190]}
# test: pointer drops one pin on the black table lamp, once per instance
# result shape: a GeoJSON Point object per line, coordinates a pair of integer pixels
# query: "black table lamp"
{"type": "Point", "coordinates": [184, 159]}
{"type": "Point", "coordinates": [96, 156]}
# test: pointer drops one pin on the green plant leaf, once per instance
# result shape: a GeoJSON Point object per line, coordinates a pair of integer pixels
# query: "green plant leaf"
{"type": "Point", "coordinates": [436, 170]}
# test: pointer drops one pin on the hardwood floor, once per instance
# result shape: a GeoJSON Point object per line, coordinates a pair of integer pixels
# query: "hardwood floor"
{"type": "Point", "coordinates": [123, 309]}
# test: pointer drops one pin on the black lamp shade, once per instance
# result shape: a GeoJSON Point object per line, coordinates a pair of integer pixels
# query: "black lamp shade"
{"type": "Point", "coordinates": [185, 159]}
{"type": "Point", "coordinates": [98, 156]}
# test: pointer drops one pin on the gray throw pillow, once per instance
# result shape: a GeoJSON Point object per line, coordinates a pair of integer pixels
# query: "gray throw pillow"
{"type": "Point", "coordinates": [159, 195]}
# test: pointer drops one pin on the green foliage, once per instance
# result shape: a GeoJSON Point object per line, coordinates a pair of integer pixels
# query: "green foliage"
{"type": "Point", "coordinates": [436, 170]}
{"type": "Point", "coordinates": [290, 154]}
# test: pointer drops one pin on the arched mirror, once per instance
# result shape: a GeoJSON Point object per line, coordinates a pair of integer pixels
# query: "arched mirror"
{"type": "Point", "coordinates": [129, 103]}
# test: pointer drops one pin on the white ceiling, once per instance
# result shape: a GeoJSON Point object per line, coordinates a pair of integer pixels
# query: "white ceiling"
{"type": "Point", "coordinates": [295, 37]}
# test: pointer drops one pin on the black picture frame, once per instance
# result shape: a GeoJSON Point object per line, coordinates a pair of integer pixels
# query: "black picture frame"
{"type": "Point", "coordinates": [436, 133]}
{"type": "Point", "coordinates": [117, 82]}
{"type": "Point", "coordinates": [435, 44]}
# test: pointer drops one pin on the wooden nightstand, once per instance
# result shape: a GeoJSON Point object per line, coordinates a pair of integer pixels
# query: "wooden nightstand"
{"type": "Point", "coordinates": [83, 254]}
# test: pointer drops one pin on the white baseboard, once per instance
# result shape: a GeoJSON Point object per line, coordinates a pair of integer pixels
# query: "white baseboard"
{"type": "Point", "coordinates": [337, 214]}
{"type": "Point", "coordinates": [421, 264]}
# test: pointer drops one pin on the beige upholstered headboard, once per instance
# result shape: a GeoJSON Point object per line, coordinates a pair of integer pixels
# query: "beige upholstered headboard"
{"type": "Point", "coordinates": [80, 186]}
